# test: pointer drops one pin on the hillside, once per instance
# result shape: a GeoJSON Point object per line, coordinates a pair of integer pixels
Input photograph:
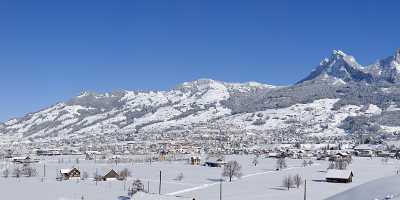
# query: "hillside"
{"type": "Point", "coordinates": [339, 97]}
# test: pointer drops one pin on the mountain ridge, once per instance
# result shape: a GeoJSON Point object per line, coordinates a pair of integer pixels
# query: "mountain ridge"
{"type": "Point", "coordinates": [341, 90]}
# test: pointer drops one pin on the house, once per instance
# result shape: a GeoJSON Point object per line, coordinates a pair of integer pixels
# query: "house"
{"type": "Point", "coordinates": [48, 152]}
{"type": "Point", "coordinates": [24, 160]}
{"type": "Point", "coordinates": [364, 150]}
{"type": "Point", "coordinates": [274, 155]}
{"type": "Point", "coordinates": [215, 162]}
{"type": "Point", "coordinates": [70, 173]}
{"type": "Point", "coordinates": [91, 155]}
{"type": "Point", "coordinates": [195, 160]}
{"type": "Point", "coordinates": [111, 175]}
{"type": "Point", "coordinates": [163, 155]}
{"type": "Point", "coordinates": [339, 176]}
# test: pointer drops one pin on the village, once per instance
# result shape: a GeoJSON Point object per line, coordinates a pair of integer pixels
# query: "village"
{"type": "Point", "coordinates": [173, 170]}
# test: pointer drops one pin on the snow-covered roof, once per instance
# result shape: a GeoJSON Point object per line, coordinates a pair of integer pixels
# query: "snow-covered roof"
{"type": "Point", "coordinates": [342, 154]}
{"type": "Point", "coordinates": [65, 171]}
{"type": "Point", "coordinates": [21, 158]}
{"type": "Point", "coordinates": [363, 147]}
{"type": "Point", "coordinates": [340, 174]}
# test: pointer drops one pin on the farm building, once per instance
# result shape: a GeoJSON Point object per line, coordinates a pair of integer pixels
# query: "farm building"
{"type": "Point", "coordinates": [24, 160]}
{"type": "Point", "coordinates": [111, 175]}
{"type": "Point", "coordinates": [339, 176]}
{"type": "Point", "coordinates": [70, 173]}
{"type": "Point", "coordinates": [215, 162]}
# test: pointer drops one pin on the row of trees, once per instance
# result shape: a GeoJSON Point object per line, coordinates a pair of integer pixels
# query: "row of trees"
{"type": "Point", "coordinates": [17, 172]}
{"type": "Point", "coordinates": [340, 163]}
{"type": "Point", "coordinates": [292, 181]}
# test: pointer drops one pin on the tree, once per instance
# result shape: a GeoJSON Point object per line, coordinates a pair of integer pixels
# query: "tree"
{"type": "Point", "coordinates": [17, 172]}
{"type": "Point", "coordinates": [137, 186]}
{"type": "Point", "coordinates": [298, 180]}
{"type": "Point", "coordinates": [288, 182]}
{"type": "Point", "coordinates": [310, 162]}
{"type": "Point", "coordinates": [255, 161]}
{"type": "Point", "coordinates": [281, 163]}
{"type": "Point", "coordinates": [84, 175]}
{"type": "Point", "coordinates": [331, 165]}
{"type": "Point", "coordinates": [305, 163]}
{"type": "Point", "coordinates": [29, 171]}
{"type": "Point", "coordinates": [125, 173]}
{"type": "Point", "coordinates": [340, 164]}
{"type": "Point", "coordinates": [6, 173]}
{"type": "Point", "coordinates": [385, 160]}
{"type": "Point", "coordinates": [179, 177]}
{"type": "Point", "coordinates": [231, 169]}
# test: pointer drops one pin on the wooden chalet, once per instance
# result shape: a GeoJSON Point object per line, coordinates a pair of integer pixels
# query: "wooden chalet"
{"type": "Point", "coordinates": [70, 173]}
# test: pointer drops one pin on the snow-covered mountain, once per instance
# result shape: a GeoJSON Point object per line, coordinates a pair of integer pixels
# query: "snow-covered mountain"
{"type": "Point", "coordinates": [340, 96]}
{"type": "Point", "coordinates": [345, 67]}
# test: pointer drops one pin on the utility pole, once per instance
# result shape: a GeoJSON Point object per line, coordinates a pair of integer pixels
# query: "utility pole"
{"type": "Point", "coordinates": [305, 189]}
{"type": "Point", "coordinates": [220, 189]}
{"type": "Point", "coordinates": [159, 186]}
{"type": "Point", "coordinates": [96, 177]}
{"type": "Point", "coordinates": [44, 170]}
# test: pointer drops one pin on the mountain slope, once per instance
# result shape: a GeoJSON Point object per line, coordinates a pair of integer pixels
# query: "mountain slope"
{"type": "Point", "coordinates": [340, 96]}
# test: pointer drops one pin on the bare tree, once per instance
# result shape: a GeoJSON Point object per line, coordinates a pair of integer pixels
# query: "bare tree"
{"type": "Point", "coordinates": [385, 160]}
{"type": "Point", "coordinates": [298, 180]}
{"type": "Point", "coordinates": [137, 186]}
{"type": "Point", "coordinates": [231, 169]}
{"type": "Point", "coordinates": [331, 165]}
{"type": "Point", "coordinates": [29, 171]}
{"type": "Point", "coordinates": [310, 162]}
{"type": "Point", "coordinates": [288, 182]}
{"type": "Point", "coordinates": [340, 164]}
{"type": "Point", "coordinates": [305, 163]}
{"type": "Point", "coordinates": [255, 161]}
{"type": "Point", "coordinates": [281, 163]}
{"type": "Point", "coordinates": [84, 175]}
{"type": "Point", "coordinates": [179, 177]}
{"type": "Point", "coordinates": [348, 160]}
{"type": "Point", "coordinates": [97, 177]}
{"type": "Point", "coordinates": [17, 172]}
{"type": "Point", "coordinates": [125, 173]}
{"type": "Point", "coordinates": [6, 173]}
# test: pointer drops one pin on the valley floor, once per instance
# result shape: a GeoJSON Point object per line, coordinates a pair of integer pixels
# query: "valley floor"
{"type": "Point", "coordinates": [258, 182]}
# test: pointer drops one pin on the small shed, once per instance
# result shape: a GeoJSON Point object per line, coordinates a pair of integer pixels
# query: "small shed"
{"type": "Point", "coordinates": [215, 162]}
{"type": "Point", "coordinates": [111, 175]}
{"type": "Point", "coordinates": [70, 173]}
{"type": "Point", "coordinates": [339, 176]}
{"type": "Point", "coordinates": [25, 159]}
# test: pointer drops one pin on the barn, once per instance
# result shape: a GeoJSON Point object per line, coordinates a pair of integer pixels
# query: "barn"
{"type": "Point", "coordinates": [339, 176]}
{"type": "Point", "coordinates": [111, 175]}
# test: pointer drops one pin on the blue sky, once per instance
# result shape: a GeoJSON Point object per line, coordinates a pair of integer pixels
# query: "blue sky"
{"type": "Point", "coordinates": [52, 50]}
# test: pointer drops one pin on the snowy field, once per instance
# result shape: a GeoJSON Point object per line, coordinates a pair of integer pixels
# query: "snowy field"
{"type": "Point", "coordinates": [258, 182]}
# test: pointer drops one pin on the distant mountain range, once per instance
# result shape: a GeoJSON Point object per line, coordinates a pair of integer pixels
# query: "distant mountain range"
{"type": "Point", "coordinates": [339, 97]}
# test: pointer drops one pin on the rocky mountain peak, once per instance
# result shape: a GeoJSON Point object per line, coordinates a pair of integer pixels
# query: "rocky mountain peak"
{"type": "Point", "coordinates": [339, 65]}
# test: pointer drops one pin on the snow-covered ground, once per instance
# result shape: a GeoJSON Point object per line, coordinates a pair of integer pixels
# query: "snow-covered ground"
{"type": "Point", "coordinates": [380, 189]}
{"type": "Point", "coordinates": [258, 182]}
